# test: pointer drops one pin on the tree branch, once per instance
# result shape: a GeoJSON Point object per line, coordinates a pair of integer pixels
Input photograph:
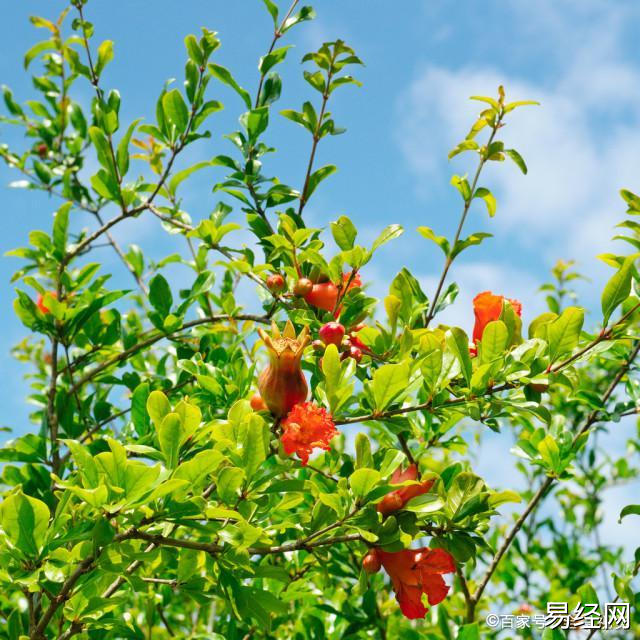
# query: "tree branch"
{"type": "Point", "coordinates": [544, 487]}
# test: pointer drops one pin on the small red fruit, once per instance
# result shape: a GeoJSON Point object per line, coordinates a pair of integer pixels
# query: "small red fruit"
{"type": "Point", "coordinates": [40, 302]}
{"type": "Point", "coordinates": [371, 562]}
{"type": "Point", "coordinates": [275, 283]}
{"type": "Point", "coordinates": [257, 403]}
{"type": "Point", "coordinates": [331, 333]}
{"type": "Point", "coordinates": [302, 287]}
{"type": "Point", "coordinates": [323, 295]}
{"type": "Point", "coordinates": [42, 150]}
{"type": "Point", "coordinates": [355, 353]}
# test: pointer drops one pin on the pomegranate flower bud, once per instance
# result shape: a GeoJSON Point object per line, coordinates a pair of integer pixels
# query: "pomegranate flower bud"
{"type": "Point", "coordinates": [487, 307]}
{"type": "Point", "coordinates": [307, 427]}
{"type": "Point", "coordinates": [396, 500]}
{"type": "Point", "coordinates": [282, 384]}
{"type": "Point", "coordinates": [371, 563]}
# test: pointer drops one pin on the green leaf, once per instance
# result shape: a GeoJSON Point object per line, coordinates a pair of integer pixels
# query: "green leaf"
{"type": "Point", "coordinates": [103, 151]}
{"type": "Point", "coordinates": [389, 381]}
{"type": "Point", "coordinates": [255, 122]}
{"type": "Point", "coordinates": [272, 8]}
{"type": "Point", "coordinates": [468, 631]}
{"type": "Point", "coordinates": [60, 228]}
{"type": "Point", "coordinates": [441, 241]}
{"type": "Point", "coordinates": [458, 342]}
{"type": "Point", "coordinates": [193, 50]}
{"type": "Point", "coordinates": [488, 198]}
{"type": "Point", "coordinates": [270, 60]}
{"type": "Point", "coordinates": [630, 509]}
{"type": "Point", "coordinates": [517, 158]}
{"type": "Point", "coordinates": [228, 483]}
{"type": "Point", "coordinates": [36, 50]}
{"type": "Point", "coordinates": [363, 451]}
{"type": "Point", "coordinates": [160, 294]}
{"type": "Point", "coordinates": [85, 463]}
{"type": "Point", "coordinates": [426, 503]}
{"type": "Point", "coordinates": [387, 234]}
{"type": "Point", "coordinates": [224, 75]}
{"type": "Point", "coordinates": [550, 453]}
{"type": "Point", "coordinates": [618, 288]}
{"type": "Point", "coordinates": [465, 486]}
{"type": "Point", "coordinates": [122, 153]}
{"type": "Point", "coordinates": [105, 55]}
{"type": "Point", "coordinates": [175, 110]}
{"type": "Point", "coordinates": [316, 178]}
{"type": "Point", "coordinates": [25, 521]}
{"type": "Point", "coordinates": [344, 233]}
{"type": "Point", "coordinates": [190, 418]}
{"type": "Point", "coordinates": [185, 173]}
{"type": "Point", "coordinates": [563, 333]}
{"type": "Point", "coordinates": [495, 339]}
{"type": "Point", "coordinates": [139, 415]}
{"type": "Point", "coordinates": [255, 445]}
{"type": "Point", "coordinates": [465, 145]}
{"type": "Point", "coordinates": [158, 407]}
{"type": "Point", "coordinates": [363, 480]}
{"type": "Point", "coordinates": [169, 437]}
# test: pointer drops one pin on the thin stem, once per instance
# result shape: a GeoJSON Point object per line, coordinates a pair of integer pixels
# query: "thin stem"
{"type": "Point", "coordinates": [52, 416]}
{"type": "Point", "coordinates": [127, 353]}
{"type": "Point", "coordinates": [276, 36]}
{"type": "Point", "coordinates": [465, 211]}
{"type": "Point", "coordinates": [544, 487]}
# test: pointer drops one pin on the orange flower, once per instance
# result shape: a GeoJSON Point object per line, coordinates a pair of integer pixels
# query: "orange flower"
{"type": "Point", "coordinates": [414, 572]}
{"type": "Point", "coordinates": [282, 384]}
{"type": "Point", "coordinates": [395, 500]}
{"type": "Point", "coordinates": [307, 427]}
{"type": "Point", "coordinates": [487, 307]}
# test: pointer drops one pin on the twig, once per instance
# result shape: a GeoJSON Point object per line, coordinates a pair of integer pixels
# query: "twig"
{"type": "Point", "coordinates": [465, 211]}
{"type": "Point", "coordinates": [591, 419]}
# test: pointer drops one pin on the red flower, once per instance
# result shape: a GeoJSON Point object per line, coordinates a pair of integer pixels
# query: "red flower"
{"type": "Point", "coordinates": [414, 572]}
{"type": "Point", "coordinates": [307, 427]}
{"type": "Point", "coordinates": [397, 499]}
{"type": "Point", "coordinates": [487, 307]}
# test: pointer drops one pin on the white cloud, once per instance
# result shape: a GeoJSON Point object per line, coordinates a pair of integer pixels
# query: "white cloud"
{"type": "Point", "coordinates": [581, 146]}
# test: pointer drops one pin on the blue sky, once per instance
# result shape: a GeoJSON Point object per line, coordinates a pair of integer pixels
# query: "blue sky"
{"type": "Point", "coordinates": [423, 59]}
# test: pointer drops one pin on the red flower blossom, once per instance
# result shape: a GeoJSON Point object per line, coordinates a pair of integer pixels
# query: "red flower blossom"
{"type": "Point", "coordinates": [414, 572]}
{"type": "Point", "coordinates": [487, 307]}
{"type": "Point", "coordinates": [307, 427]}
{"type": "Point", "coordinates": [395, 500]}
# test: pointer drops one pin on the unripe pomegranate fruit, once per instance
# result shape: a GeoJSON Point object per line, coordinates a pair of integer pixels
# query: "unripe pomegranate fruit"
{"type": "Point", "coordinates": [323, 295]}
{"type": "Point", "coordinates": [331, 333]}
{"type": "Point", "coordinates": [355, 353]}
{"type": "Point", "coordinates": [275, 283]}
{"type": "Point", "coordinates": [302, 287]}
{"type": "Point", "coordinates": [42, 150]}
{"type": "Point", "coordinates": [371, 562]}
